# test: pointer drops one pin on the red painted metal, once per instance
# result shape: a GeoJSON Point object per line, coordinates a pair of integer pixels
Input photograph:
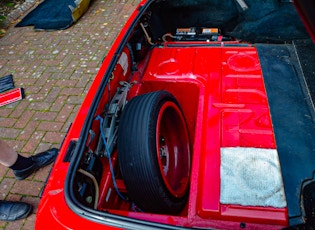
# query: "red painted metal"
{"type": "Point", "coordinates": [224, 101]}
{"type": "Point", "coordinates": [11, 96]}
{"type": "Point", "coordinates": [223, 98]}
{"type": "Point", "coordinates": [173, 149]}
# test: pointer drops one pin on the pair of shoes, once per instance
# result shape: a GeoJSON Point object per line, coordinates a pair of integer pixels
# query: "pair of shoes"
{"type": "Point", "coordinates": [14, 210]}
{"type": "Point", "coordinates": [40, 160]}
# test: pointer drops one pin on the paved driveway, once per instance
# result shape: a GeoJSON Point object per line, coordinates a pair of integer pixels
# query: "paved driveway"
{"type": "Point", "coordinates": [55, 69]}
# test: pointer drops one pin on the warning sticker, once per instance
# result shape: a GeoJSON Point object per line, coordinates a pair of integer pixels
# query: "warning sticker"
{"type": "Point", "coordinates": [210, 31]}
{"type": "Point", "coordinates": [123, 62]}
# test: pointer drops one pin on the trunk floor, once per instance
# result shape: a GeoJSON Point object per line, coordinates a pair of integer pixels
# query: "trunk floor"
{"type": "Point", "coordinates": [292, 116]}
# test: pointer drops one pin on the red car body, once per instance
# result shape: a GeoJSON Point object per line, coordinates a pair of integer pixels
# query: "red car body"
{"type": "Point", "coordinates": [223, 96]}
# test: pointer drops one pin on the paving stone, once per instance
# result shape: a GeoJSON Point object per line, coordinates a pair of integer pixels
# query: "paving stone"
{"type": "Point", "coordinates": [18, 224]}
{"type": "Point", "coordinates": [24, 119]}
{"type": "Point", "coordinates": [28, 130]}
{"type": "Point", "coordinates": [29, 222]}
{"type": "Point", "coordinates": [32, 142]}
{"type": "Point", "coordinates": [53, 137]}
{"type": "Point", "coordinates": [45, 116]}
{"type": "Point", "coordinates": [7, 122]}
{"type": "Point", "coordinates": [5, 187]}
{"type": "Point", "coordinates": [27, 188]}
{"type": "Point", "coordinates": [9, 132]}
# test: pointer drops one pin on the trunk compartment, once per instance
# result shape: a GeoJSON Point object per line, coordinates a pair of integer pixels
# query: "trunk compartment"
{"type": "Point", "coordinates": [245, 88]}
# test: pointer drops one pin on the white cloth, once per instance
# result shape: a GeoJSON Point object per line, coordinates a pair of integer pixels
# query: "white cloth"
{"type": "Point", "coordinates": [251, 177]}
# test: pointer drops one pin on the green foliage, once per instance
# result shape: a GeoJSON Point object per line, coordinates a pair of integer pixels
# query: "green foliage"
{"type": "Point", "coordinates": [2, 20]}
{"type": "Point", "coordinates": [7, 6]}
{"type": "Point", "coordinates": [10, 4]}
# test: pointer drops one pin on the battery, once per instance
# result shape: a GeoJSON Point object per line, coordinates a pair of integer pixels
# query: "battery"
{"type": "Point", "coordinates": [197, 34]}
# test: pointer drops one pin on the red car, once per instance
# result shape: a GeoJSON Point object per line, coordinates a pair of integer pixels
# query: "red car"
{"type": "Point", "coordinates": [201, 116]}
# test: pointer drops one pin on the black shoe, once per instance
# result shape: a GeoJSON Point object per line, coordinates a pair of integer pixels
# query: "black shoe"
{"type": "Point", "coordinates": [14, 210]}
{"type": "Point", "coordinates": [40, 160]}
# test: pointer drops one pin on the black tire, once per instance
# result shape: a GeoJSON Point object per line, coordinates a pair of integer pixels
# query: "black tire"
{"type": "Point", "coordinates": [155, 174]}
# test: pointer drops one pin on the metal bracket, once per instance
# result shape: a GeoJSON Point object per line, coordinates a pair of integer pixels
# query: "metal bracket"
{"type": "Point", "coordinates": [110, 123]}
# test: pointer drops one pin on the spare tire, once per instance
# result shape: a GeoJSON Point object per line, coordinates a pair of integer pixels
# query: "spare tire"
{"type": "Point", "coordinates": [154, 152]}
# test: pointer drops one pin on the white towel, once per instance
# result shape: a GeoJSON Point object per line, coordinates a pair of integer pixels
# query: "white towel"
{"type": "Point", "coordinates": [251, 177]}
